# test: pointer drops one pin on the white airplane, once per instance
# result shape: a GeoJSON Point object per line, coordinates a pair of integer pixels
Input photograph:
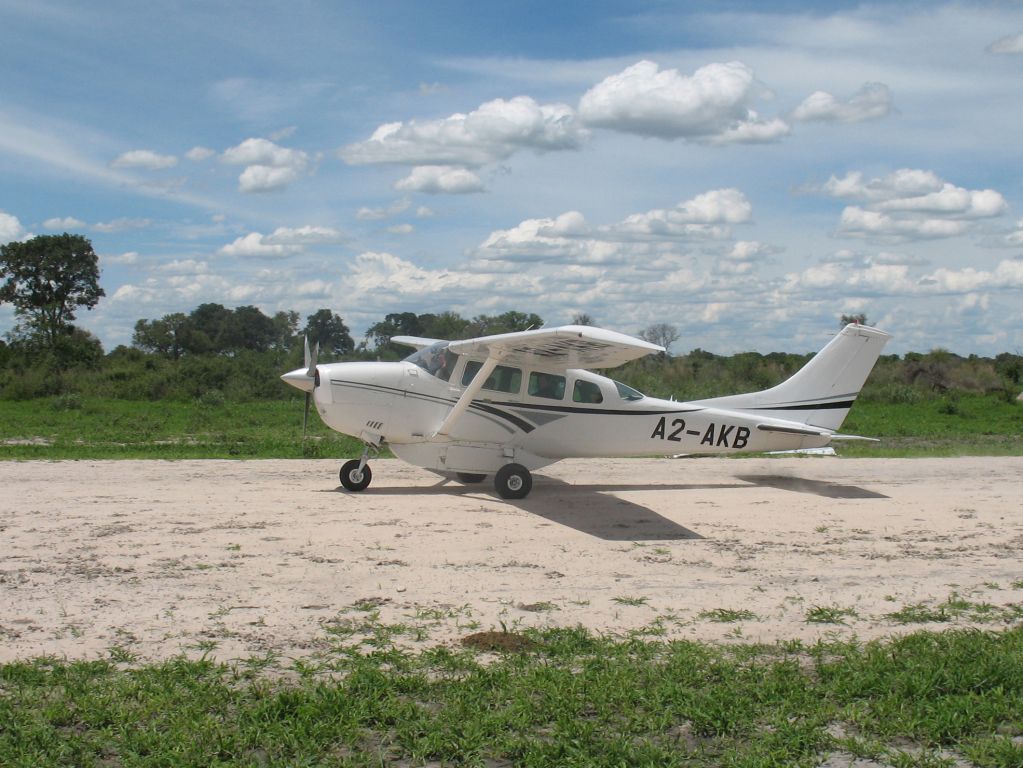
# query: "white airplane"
{"type": "Point", "coordinates": [509, 404]}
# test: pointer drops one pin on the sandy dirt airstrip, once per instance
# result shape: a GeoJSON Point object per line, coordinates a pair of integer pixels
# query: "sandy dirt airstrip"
{"type": "Point", "coordinates": [241, 558]}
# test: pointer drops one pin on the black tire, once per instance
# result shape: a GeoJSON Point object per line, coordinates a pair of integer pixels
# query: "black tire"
{"type": "Point", "coordinates": [354, 480]}
{"type": "Point", "coordinates": [513, 481]}
{"type": "Point", "coordinates": [470, 478]}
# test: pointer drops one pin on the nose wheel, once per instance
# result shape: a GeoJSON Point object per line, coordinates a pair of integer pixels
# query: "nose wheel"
{"type": "Point", "coordinates": [513, 481]}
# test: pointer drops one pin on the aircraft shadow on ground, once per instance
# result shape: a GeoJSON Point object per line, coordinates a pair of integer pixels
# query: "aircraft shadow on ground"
{"type": "Point", "coordinates": [593, 509]}
{"type": "Point", "coordinates": [816, 487]}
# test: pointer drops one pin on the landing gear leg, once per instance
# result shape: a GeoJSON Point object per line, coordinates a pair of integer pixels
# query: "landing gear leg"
{"type": "Point", "coordinates": [355, 474]}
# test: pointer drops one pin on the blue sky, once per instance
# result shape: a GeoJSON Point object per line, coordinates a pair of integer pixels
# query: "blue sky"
{"type": "Point", "coordinates": [745, 171]}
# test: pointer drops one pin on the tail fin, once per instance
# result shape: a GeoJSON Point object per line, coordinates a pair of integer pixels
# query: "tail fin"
{"type": "Point", "coordinates": [820, 393]}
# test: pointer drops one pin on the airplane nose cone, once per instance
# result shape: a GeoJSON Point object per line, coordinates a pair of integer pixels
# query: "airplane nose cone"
{"type": "Point", "coordinates": [299, 378]}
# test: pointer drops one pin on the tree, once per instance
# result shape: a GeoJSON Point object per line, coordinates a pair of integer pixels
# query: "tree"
{"type": "Point", "coordinates": [583, 318]}
{"type": "Point", "coordinates": [286, 326]}
{"type": "Point", "coordinates": [169, 336]}
{"type": "Point", "coordinates": [662, 334]}
{"type": "Point", "coordinates": [329, 331]}
{"type": "Point", "coordinates": [248, 328]}
{"type": "Point", "coordinates": [859, 319]}
{"type": "Point", "coordinates": [509, 322]}
{"type": "Point", "coordinates": [47, 278]}
{"type": "Point", "coordinates": [396, 324]}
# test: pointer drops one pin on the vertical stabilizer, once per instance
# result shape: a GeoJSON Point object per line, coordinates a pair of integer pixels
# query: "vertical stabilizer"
{"type": "Point", "coordinates": [820, 393]}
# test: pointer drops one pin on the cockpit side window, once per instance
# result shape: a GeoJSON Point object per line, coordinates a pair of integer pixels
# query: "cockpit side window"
{"type": "Point", "coordinates": [586, 392]}
{"type": "Point", "coordinates": [628, 393]}
{"type": "Point", "coordinates": [503, 379]}
{"type": "Point", "coordinates": [548, 385]}
{"type": "Point", "coordinates": [436, 360]}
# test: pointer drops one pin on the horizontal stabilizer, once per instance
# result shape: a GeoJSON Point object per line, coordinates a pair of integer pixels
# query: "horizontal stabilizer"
{"type": "Point", "coordinates": [852, 438]}
{"type": "Point", "coordinates": [792, 430]}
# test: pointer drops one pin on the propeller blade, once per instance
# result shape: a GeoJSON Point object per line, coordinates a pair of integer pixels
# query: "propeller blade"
{"type": "Point", "coordinates": [310, 358]}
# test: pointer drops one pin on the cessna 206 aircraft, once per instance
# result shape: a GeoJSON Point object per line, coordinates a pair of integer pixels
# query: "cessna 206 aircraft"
{"type": "Point", "coordinates": [509, 404]}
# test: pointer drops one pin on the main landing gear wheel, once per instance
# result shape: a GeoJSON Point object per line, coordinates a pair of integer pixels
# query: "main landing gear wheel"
{"type": "Point", "coordinates": [513, 481]}
{"type": "Point", "coordinates": [470, 478]}
{"type": "Point", "coordinates": [353, 478]}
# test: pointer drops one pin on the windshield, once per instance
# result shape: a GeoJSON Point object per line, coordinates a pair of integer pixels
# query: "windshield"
{"type": "Point", "coordinates": [628, 393]}
{"type": "Point", "coordinates": [435, 360]}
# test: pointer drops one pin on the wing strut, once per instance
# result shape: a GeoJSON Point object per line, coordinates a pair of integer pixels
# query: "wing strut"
{"type": "Point", "coordinates": [470, 392]}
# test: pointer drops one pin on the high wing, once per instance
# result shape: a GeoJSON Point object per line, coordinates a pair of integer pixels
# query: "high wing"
{"type": "Point", "coordinates": [566, 346]}
{"type": "Point", "coordinates": [415, 341]}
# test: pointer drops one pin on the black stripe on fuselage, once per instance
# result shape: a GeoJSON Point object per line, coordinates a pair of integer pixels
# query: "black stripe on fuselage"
{"type": "Point", "coordinates": [486, 408]}
{"type": "Point", "coordinates": [496, 408]}
{"type": "Point", "coordinates": [804, 407]}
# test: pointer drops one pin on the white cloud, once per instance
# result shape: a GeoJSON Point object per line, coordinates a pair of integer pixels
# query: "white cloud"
{"type": "Point", "coordinates": [198, 154]}
{"type": "Point", "coordinates": [423, 212]}
{"type": "Point", "coordinates": [255, 245]}
{"type": "Point", "coordinates": [307, 235]}
{"type": "Point", "coordinates": [269, 166]}
{"type": "Point", "coordinates": [859, 222]}
{"type": "Point", "coordinates": [493, 132]}
{"type": "Point", "coordinates": [284, 133]}
{"type": "Point", "coordinates": [703, 216]}
{"type": "Point", "coordinates": [647, 239]}
{"type": "Point", "coordinates": [713, 104]}
{"type": "Point", "coordinates": [65, 223]}
{"type": "Point", "coordinates": [434, 179]}
{"type": "Point", "coordinates": [376, 214]}
{"type": "Point", "coordinates": [749, 250]}
{"type": "Point", "coordinates": [265, 178]}
{"type": "Point", "coordinates": [144, 158]}
{"type": "Point", "coordinates": [872, 101]}
{"type": "Point", "coordinates": [184, 267]}
{"type": "Point", "coordinates": [401, 229]}
{"type": "Point", "coordinates": [10, 229]}
{"type": "Point", "coordinates": [122, 224]}
{"type": "Point", "coordinates": [905, 182]}
{"type": "Point", "coordinates": [282, 242]}
{"type": "Point", "coordinates": [1008, 44]}
{"type": "Point", "coordinates": [895, 280]}
{"type": "Point", "coordinates": [264, 152]}
{"type": "Point", "coordinates": [910, 204]}
{"type": "Point", "coordinates": [1016, 237]}
{"type": "Point", "coordinates": [383, 273]}
{"type": "Point", "coordinates": [128, 257]}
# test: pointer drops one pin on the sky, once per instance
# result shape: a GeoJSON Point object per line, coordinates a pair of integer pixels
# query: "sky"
{"type": "Point", "coordinates": [745, 171]}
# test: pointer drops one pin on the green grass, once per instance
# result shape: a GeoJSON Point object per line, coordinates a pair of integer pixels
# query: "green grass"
{"type": "Point", "coordinates": [954, 608]}
{"type": "Point", "coordinates": [565, 698]}
{"type": "Point", "coordinates": [728, 615]}
{"type": "Point", "coordinates": [829, 614]}
{"type": "Point", "coordinates": [70, 427]}
{"type": "Point", "coordinates": [956, 425]}
{"type": "Point", "coordinates": [117, 429]}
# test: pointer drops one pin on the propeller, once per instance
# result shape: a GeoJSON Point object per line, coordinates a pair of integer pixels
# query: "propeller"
{"type": "Point", "coordinates": [304, 379]}
{"type": "Point", "coordinates": [310, 365]}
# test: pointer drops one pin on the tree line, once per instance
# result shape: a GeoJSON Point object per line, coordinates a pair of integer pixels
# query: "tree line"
{"type": "Point", "coordinates": [217, 352]}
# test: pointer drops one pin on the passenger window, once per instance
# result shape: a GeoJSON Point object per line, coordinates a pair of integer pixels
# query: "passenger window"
{"type": "Point", "coordinates": [586, 392]}
{"type": "Point", "coordinates": [546, 385]}
{"type": "Point", "coordinates": [503, 379]}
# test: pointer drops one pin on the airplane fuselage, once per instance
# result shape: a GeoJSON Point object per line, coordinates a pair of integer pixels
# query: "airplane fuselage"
{"type": "Point", "coordinates": [527, 415]}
